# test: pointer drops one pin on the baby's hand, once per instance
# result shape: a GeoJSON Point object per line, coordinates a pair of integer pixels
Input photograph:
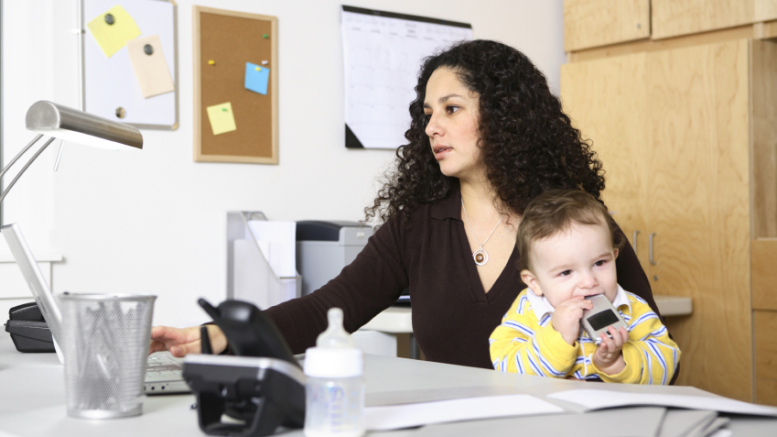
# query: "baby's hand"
{"type": "Point", "coordinates": [608, 357]}
{"type": "Point", "coordinates": [566, 318]}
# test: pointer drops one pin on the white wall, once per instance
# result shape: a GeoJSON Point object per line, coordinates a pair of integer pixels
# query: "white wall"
{"type": "Point", "coordinates": [154, 221]}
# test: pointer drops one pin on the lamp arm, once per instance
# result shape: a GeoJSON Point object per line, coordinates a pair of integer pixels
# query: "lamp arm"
{"type": "Point", "coordinates": [19, 155]}
{"type": "Point", "coordinates": [18, 175]}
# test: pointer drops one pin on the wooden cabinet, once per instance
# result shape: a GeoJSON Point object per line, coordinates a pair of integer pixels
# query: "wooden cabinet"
{"type": "Point", "coordinates": [679, 134]}
{"type": "Point", "coordinates": [607, 100]}
{"type": "Point", "coordinates": [673, 17]}
{"type": "Point", "coordinates": [764, 282]}
{"type": "Point", "coordinates": [592, 23]}
{"type": "Point", "coordinates": [616, 24]}
{"type": "Point", "coordinates": [765, 357]}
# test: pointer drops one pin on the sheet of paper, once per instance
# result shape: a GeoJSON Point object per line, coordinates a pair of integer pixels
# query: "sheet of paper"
{"type": "Point", "coordinates": [221, 118]}
{"type": "Point", "coordinates": [257, 78]}
{"type": "Point", "coordinates": [278, 243]}
{"type": "Point", "coordinates": [150, 66]}
{"type": "Point", "coordinates": [407, 415]}
{"type": "Point", "coordinates": [381, 58]}
{"type": "Point", "coordinates": [713, 427]}
{"type": "Point", "coordinates": [112, 37]}
{"type": "Point", "coordinates": [597, 399]}
{"type": "Point", "coordinates": [710, 428]}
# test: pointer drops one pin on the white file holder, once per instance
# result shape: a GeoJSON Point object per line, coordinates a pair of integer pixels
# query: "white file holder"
{"type": "Point", "coordinates": [249, 275]}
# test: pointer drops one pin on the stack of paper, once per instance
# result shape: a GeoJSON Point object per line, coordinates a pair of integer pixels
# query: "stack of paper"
{"type": "Point", "coordinates": [598, 399]}
{"type": "Point", "coordinates": [690, 423]}
{"type": "Point", "coordinates": [609, 413]}
{"type": "Point", "coordinates": [278, 242]}
{"type": "Point", "coordinates": [696, 416]}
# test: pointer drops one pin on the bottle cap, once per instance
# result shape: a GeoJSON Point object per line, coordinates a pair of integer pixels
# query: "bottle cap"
{"type": "Point", "coordinates": [333, 362]}
{"type": "Point", "coordinates": [334, 355]}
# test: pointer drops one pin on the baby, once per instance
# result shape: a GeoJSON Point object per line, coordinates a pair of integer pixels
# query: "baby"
{"type": "Point", "coordinates": [568, 246]}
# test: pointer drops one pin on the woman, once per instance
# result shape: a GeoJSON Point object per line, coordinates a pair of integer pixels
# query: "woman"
{"type": "Point", "coordinates": [486, 137]}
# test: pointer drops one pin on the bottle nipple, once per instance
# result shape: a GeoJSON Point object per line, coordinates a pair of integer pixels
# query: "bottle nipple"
{"type": "Point", "coordinates": [335, 335]}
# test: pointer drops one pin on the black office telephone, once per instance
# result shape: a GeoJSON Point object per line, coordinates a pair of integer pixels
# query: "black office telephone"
{"type": "Point", "coordinates": [262, 385]}
{"type": "Point", "coordinates": [28, 329]}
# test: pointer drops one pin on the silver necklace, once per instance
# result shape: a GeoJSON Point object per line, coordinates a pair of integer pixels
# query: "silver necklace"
{"type": "Point", "coordinates": [480, 256]}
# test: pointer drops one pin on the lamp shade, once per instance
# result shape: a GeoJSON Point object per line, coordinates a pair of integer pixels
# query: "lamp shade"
{"type": "Point", "coordinates": [80, 127]}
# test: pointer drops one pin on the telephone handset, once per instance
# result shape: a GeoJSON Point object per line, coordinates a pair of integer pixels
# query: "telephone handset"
{"type": "Point", "coordinates": [249, 332]}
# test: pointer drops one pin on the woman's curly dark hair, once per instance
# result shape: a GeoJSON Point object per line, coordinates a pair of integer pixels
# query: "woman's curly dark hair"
{"type": "Point", "coordinates": [527, 143]}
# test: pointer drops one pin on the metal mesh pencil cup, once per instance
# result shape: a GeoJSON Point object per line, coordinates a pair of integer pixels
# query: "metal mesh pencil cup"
{"type": "Point", "coordinates": [105, 343]}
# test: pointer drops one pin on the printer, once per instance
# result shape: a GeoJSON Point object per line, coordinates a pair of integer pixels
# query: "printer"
{"type": "Point", "coordinates": [325, 247]}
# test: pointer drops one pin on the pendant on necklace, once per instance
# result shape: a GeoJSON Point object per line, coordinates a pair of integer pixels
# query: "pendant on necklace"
{"type": "Point", "coordinates": [480, 256]}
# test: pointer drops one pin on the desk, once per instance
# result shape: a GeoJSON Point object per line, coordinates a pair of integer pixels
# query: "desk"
{"type": "Point", "coordinates": [33, 399]}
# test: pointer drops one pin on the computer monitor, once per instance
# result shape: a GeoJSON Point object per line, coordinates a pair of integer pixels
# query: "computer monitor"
{"type": "Point", "coordinates": [34, 278]}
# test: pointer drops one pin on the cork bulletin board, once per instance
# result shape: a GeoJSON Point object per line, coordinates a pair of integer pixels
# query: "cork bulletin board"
{"type": "Point", "coordinates": [235, 97]}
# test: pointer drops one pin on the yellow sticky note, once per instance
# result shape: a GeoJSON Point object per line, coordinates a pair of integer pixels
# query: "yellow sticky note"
{"type": "Point", "coordinates": [112, 37]}
{"type": "Point", "coordinates": [222, 119]}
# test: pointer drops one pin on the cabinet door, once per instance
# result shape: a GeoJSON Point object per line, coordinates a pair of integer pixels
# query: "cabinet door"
{"type": "Point", "coordinates": [593, 23]}
{"type": "Point", "coordinates": [673, 18]}
{"type": "Point", "coordinates": [699, 207]}
{"type": "Point", "coordinates": [765, 325]}
{"type": "Point", "coordinates": [606, 100]}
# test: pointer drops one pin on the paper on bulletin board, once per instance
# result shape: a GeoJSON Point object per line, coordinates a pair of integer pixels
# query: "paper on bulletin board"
{"type": "Point", "coordinates": [112, 29]}
{"type": "Point", "coordinates": [257, 78]}
{"type": "Point", "coordinates": [110, 85]}
{"type": "Point", "coordinates": [383, 52]}
{"type": "Point", "coordinates": [148, 62]}
{"type": "Point", "coordinates": [222, 120]}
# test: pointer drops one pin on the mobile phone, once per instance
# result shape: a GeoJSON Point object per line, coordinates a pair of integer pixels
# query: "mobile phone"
{"type": "Point", "coordinates": [603, 315]}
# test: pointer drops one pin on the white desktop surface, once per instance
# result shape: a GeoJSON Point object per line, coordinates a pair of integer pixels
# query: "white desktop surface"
{"type": "Point", "coordinates": [33, 399]}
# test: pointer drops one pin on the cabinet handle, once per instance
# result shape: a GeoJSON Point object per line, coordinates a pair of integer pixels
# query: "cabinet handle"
{"type": "Point", "coordinates": [634, 241]}
{"type": "Point", "coordinates": [652, 261]}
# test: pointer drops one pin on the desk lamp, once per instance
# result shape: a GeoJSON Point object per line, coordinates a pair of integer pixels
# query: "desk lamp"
{"type": "Point", "coordinates": [69, 124]}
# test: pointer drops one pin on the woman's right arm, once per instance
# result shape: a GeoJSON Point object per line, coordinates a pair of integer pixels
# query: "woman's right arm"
{"type": "Point", "coordinates": [364, 288]}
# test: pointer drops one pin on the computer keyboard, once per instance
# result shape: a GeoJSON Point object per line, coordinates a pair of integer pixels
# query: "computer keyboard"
{"type": "Point", "coordinates": [162, 368]}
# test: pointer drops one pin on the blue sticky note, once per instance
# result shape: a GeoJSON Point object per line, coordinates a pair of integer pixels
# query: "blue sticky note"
{"type": "Point", "coordinates": [257, 78]}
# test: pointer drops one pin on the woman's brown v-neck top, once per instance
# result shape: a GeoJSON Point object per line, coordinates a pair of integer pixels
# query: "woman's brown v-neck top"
{"type": "Point", "coordinates": [452, 315]}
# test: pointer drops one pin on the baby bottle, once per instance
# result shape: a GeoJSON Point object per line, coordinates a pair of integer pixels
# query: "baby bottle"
{"type": "Point", "coordinates": [334, 389]}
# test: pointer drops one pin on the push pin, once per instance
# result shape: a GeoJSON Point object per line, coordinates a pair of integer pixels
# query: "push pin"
{"type": "Point", "coordinates": [258, 68]}
{"type": "Point", "coordinates": [211, 62]}
{"type": "Point", "coordinates": [224, 109]}
{"type": "Point", "coordinates": [109, 19]}
{"type": "Point", "coordinates": [264, 62]}
{"type": "Point", "coordinates": [148, 49]}
{"type": "Point", "coordinates": [265, 36]}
